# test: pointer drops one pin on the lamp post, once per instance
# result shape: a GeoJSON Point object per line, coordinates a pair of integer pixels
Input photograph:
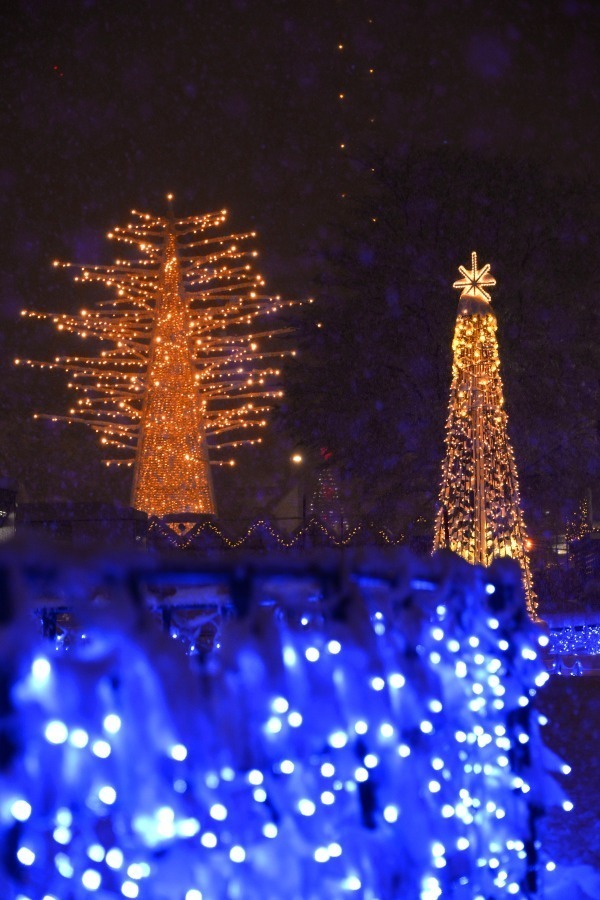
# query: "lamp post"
{"type": "Point", "coordinates": [297, 460]}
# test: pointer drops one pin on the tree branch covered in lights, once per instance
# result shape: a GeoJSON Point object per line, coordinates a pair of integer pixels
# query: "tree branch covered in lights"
{"type": "Point", "coordinates": [480, 514]}
{"type": "Point", "coordinates": [191, 364]}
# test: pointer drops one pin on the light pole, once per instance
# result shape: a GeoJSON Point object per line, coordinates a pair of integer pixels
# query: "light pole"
{"type": "Point", "coordinates": [297, 460]}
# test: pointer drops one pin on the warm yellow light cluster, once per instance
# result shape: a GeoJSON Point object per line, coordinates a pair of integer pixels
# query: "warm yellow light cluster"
{"type": "Point", "coordinates": [480, 515]}
{"type": "Point", "coordinates": [190, 360]}
{"type": "Point", "coordinates": [474, 281]}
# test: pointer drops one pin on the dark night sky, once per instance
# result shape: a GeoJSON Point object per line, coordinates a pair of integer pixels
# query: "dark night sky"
{"type": "Point", "coordinates": [107, 106]}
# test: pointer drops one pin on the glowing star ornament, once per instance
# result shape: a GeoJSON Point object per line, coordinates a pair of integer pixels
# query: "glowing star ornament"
{"type": "Point", "coordinates": [191, 359]}
{"type": "Point", "coordinates": [480, 515]}
{"type": "Point", "coordinates": [473, 282]}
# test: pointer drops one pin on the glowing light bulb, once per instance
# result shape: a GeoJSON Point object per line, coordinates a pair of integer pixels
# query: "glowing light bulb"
{"type": "Point", "coordinates": [114, 858]}
{"type": "Point", "coordinates": [101, 749]}
{"type": "Point", "coordinates": [107, 794]}
{"type": "Point", "coordinates": [306, 807]}
{"type": "Point", "coordinates": [26, 856]}
{"type": "Point", "coordinates": [41, 669]}
{"type": "Point", "coordinates": [56, 732]}
{"type": "Point", "coordinates": [178, 752]}
{"type": "Point", "coordinates": [237, 854]}
{"type": "Point", "coordinates": [91, 880]}
{"type": "Point", "coordinates": [112, 723]}
{"type": "Point", "coordinates": [20, 810]}
{"type": "Point", "coordinates": [338, 739]}
{"type": "Point", "coordinates": [96, 852]}
{"type": "Point", "coordinates": [208, 840]}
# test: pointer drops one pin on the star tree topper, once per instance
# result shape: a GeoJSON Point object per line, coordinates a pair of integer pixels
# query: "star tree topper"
{"type": "Point", "coordinates": [475, 281]}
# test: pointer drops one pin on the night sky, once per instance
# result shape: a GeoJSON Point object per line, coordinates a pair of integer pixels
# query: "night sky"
{"type": "Point", "coordinates": [261, 108]}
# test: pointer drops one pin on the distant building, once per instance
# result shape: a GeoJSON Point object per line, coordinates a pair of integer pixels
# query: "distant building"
{"type": "Point", "coordinates": [584, 555]}
{"type": "Point", "coordinates": [568, 569]}
{"type": "Point", "coordinates": [585, 552]}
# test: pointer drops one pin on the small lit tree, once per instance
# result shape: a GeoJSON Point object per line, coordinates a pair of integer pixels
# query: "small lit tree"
{"type": "Point", "coordinates": [479, 515]}
{"type": "Point", "coordinates": [189, 367]}
{"type": "Point", "coordinates": [326, 503]}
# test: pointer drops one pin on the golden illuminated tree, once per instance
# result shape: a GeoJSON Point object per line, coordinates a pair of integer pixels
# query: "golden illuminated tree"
{"type": "Point", "coordinates": [189, 367]}
{"type": "Point", "coordinates": [480, 515]}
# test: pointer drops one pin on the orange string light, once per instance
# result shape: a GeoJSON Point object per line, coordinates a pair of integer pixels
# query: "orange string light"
{"type": "Point", "coordinates": [480, 515]}
{"type": "Point", "coordinates": [191, 364]}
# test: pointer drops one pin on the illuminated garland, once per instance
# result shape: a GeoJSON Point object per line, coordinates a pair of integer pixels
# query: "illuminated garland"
{"type": "Point", "coordinates": [192, 538]}
{"type": "Point", "coordinates": [480, 514]}
{"type": "Point", "coordinates": [191, 365]}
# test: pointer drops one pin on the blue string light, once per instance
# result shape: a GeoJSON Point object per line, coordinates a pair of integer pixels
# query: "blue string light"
{"type": "Point", "coordinates": [381, 744]}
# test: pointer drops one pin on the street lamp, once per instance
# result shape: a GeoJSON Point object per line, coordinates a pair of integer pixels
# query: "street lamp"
{"type": "Point", "coordinates": [297, 459]}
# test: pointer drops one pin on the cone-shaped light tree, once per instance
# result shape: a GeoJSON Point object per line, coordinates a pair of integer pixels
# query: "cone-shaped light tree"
{"type": "Point", "coordinates": [191, 365]}
{"type": "Point", "coordinates": [326, 503]}
{"type": "Point", "coordinates": [479, 514]}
